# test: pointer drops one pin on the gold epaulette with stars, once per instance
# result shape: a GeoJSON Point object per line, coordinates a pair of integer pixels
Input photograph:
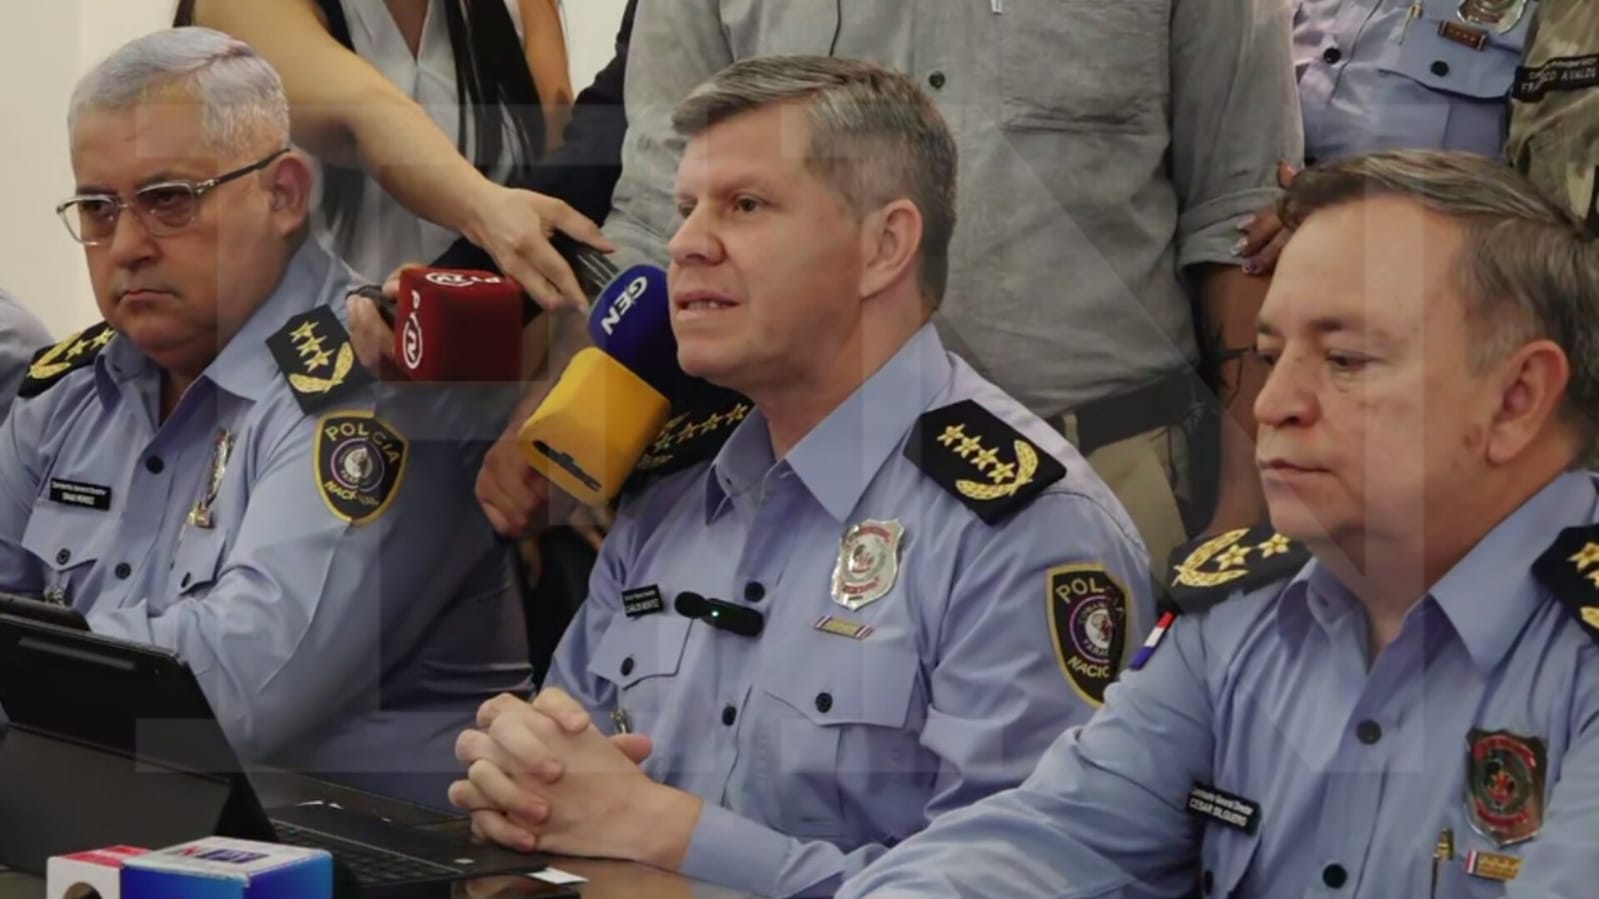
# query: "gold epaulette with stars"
{"type": "Point", "coordinates": [313, 350]}
{"type": "Point", "coordinates": [1570, 569]}
{"type": "Point", "coordinates": [53, 363]}
{"type": "Point", "coordinates": [701, 422]}
{"type": "Point", "coordinates": [1235, 562]}
{"type": "Point", "coordinates": [984, 462]}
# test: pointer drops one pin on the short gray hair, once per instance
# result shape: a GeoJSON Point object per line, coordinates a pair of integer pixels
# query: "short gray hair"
{"type": "Point", "coordinates": [1528, 270]}
{"type": "Point", "coordinates": [875, 138]}
{"type": "Point", "coordinates": [241, 96]}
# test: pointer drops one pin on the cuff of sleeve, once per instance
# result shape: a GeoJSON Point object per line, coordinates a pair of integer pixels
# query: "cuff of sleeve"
{"type": "Point", "coordinates": [735, 852]}
{"type": "Point", "coordinates": [1207, 233]}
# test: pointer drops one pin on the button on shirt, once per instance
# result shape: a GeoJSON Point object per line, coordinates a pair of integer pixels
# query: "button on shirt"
{"type": "Point", "coordinates": [1267, 697]}
{"type": "Point", "coordinates": [1104, 147]}
{"type": "Point", "coordinates": [813, 751]}
{"type": "Point", "coordinates": [356, 651]}
{"type": "Point", "coordinates": [1374, 75]}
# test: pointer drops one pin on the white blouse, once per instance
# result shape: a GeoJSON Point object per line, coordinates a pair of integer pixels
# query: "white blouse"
{"type": "Point", "coordinates": [384, 233]}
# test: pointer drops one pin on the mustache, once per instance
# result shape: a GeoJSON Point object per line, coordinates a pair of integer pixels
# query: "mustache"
{"type": "Point", "coordinates": [125, 284]}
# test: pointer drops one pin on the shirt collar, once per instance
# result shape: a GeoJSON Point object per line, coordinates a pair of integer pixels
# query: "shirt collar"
{"type": "Point", "coordinates": [1490, 593]}
{"type": "Point", "coordinates": [244, 367]}
{"type": "Point", "coordinates": [839, 457]}
{"type": "Point", "coordinates": [1486, 596]}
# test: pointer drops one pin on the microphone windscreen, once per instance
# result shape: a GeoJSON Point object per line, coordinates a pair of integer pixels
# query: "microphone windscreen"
{"type": "Point", "coordinates": [592, 428]}
{"type": "Point", "coordinates": [453, 325]}
{"type": "Point", "coordinates": [632, 321]}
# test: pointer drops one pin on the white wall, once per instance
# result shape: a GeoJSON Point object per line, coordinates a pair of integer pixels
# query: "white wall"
{"type": "Point", "coordinates": [44, 48]}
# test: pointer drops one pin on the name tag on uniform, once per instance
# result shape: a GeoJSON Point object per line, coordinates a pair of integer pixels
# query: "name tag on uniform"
{"type": "Point", "coordinates": [80, 494]}
{"type": "Point", "coordinates": [1492, 866]}
{"type": "Point", "coordinates": [641, 601]}
{"type": "Point", "coordinates": [1219, 805]}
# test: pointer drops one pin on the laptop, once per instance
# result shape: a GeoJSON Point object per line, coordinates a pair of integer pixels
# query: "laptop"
{"type": "Point", "coordinates": [105, 742]}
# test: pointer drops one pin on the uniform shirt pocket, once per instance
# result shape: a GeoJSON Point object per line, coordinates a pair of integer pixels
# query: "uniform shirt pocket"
{"type": "Point", "coordinates": [1473, 84]}
{"type": "Point", "coordinates": [196, 564]}
{"type": "Point", "coordinates": [640, 658]}
{"type": "Point", "coordinates": [69, 543]}
{"type": "Point", "coordinates": [1055, 73]}
{"type": "Point", "coordinates": [834, 731]}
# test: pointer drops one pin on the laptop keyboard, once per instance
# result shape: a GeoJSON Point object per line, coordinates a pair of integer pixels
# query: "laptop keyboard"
{"type": "Point", "coordinates": [368, 864]}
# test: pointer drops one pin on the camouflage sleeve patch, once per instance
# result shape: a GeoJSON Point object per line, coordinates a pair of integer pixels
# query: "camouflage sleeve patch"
{"type": "Point", "coordinates": [1232, 563]}
{"type": "Point", "coordinates": [313, 350]}
{"type": "Point", "coordinates": [981, 460]}
{"type": "Point", "coordinates": [1569, 568]}
{"type": "Point", "coordinates": [53, 363]}
{"type": "Point", "coordinates": [360, 462]}
{"type": "Point", "coordinates": [1089, 620]}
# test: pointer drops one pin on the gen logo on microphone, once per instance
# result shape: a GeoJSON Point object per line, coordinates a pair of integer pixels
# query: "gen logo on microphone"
{"type": "Point", "coordinates": [360, 462]}
{"type": "Point", "coordinates": [613, 316]}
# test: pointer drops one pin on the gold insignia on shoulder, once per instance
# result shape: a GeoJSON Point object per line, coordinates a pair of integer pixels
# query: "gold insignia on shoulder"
{"type": "Point", "coordinates": [313, 350]}
{"type": "Point", "coordinates": [703, 417]}
{"type": "Point", "coordinates": [1569, 568]}
{"type": "Point", "coordinates": [360, 462]}
{"type": "Point", "coordinates": [987, 464]}
{"type": "Point", "coordinates": [53, 363]}
{"type": "Point", "coordinates": [1232, 562]}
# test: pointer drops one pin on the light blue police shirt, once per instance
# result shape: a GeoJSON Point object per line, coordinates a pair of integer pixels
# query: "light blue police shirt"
{"type": "Point", "coordinates": [818, 744]}
{"type": "Point", "coordinates": [1376, 75]}
{"type": "Point", "coordinates": [1266, 701]}
{"type": "Point", "coordinates": [352, 643]}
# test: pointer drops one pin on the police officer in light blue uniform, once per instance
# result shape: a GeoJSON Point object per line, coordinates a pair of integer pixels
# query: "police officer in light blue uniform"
{"type": "Point", "coordinates": [1414, 712]}
{"type": "Point", "coordinates": [1396, 74]}
{"type": "Point", "coordinates": [208, 470]}
{"type": "Point", "coordinates": [833, 621]}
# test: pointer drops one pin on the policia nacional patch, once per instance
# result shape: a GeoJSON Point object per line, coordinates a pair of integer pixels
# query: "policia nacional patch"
{"type": "Point", "coordinates": [51, 364]}
{"type": "Point", "coordinates": [984, 462]}
{"type": "Point", "coordinates": [1088, 621]}
{"type": "Point", "coordinates": [360, 462]}
{"type": "Point", "coordinates": [316, 357]}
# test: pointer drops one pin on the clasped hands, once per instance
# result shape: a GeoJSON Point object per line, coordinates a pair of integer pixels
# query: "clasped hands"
{"type": "Point", "coordinates": [540, 775]}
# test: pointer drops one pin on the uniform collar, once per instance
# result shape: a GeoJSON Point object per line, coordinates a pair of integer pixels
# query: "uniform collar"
{"type": "Point", "coordinates": [245, 367]}
{"type": "Point", "coordinates": [1491, 593]}
{"type": "Point", "coordinates": [840, 456]}
{"type": "Point", "coordinates": [1486, 597]}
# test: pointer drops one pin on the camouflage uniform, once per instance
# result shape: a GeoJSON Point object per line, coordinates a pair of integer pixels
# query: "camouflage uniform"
{"type": "Point", "coordinates": [1554, 119]}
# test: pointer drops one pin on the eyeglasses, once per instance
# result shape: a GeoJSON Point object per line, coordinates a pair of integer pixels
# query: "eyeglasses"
{"type": "Point", "coordinates": [164, 208]}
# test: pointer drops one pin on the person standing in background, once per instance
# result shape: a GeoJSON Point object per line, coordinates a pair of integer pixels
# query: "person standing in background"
{"type": "Point", "coordinates": [1084, 289]}
{"type": "Point", "coordinates": [376, 88]}
{"type": "Point", "coordinates": [21, 337]}
{"type": "Point", "coordinates": [1554, 108]}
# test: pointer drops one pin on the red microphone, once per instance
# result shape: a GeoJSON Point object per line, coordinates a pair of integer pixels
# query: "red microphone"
{"type": "Point", "coordinates": [456, 325]}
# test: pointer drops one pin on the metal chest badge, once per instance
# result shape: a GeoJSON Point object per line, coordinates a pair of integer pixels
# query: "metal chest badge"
{"type": "Point", "coordinates": [868, 563]}
{"type": "Point", "coordinates": [1504, 785]}
{"type": "Point", "coordinates": [200, 515]}
{"type": "Point", "coordinates": [1500, 15]}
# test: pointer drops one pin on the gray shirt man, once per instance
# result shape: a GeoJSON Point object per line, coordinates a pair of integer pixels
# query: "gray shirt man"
{"type": "Point", "coordinates": [1105, 148]}
{"type": "Point", "coordinates": [21, 335]}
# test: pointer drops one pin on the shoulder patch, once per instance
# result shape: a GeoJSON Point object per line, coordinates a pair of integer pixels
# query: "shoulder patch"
{"type": "Point", "coordinates": [1570, 569]}
{"type": "Point", "coordinates": [313, 350]}
{"type": "Point", "coordinates": [984, 462]}
{"type": "Point", "coordinates": [697, 429]}
{"type": "Point", "coordinates": [1230, 563]}
{"type": "Point", "coordinates": [53, 363]}
{"type": "Point", "coordinates": [360, 462]}
{"type": "Point", "coordinates": [1089, 623]}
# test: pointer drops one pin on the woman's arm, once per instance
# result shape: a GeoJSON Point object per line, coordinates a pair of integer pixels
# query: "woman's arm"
{"type": "Point", "coordinates": [344, 110]}
{"type": "Point", "coordinates": [544, 42]}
